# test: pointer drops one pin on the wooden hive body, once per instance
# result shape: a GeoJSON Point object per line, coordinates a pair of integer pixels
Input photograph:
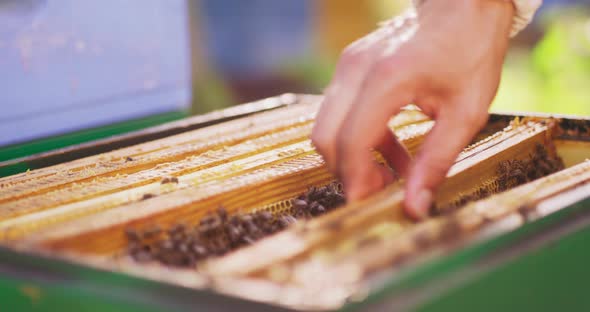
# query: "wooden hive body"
{"type": "Point", "coordinates": [81, 209]}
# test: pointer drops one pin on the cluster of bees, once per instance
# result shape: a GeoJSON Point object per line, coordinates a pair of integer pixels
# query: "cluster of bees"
{"type": "Point", "coordinates": [184, 245]}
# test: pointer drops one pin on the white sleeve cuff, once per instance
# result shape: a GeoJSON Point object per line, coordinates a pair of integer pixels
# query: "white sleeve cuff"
{"type": "Point", "coordinates": [525, 10]}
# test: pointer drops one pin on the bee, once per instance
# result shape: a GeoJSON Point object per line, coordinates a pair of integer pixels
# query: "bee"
{"type": "Point", "coordinates": [167, 180]}
{"type": "Point", "coordinates": [147, 196]}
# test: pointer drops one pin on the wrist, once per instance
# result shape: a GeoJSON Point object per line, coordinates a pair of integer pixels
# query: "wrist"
{"type": "Point", "coordinates": [521, 11]}
{"type": "Point", "coordinates": [498, 14]}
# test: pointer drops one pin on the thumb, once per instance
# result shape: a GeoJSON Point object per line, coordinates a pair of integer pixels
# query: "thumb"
{"type": "Point", "coordinates": [454, 129]}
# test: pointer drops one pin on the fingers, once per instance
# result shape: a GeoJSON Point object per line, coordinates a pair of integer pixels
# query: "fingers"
{"type": "Point", "coordinates": [383, 94]}
{"type": "Point", "coordinates": [395, 154]}
{"type": "Point", "coordinates": [454, 129]}
{"type": "Point", "coordinates": [330, 117]}
{"type": "Point", "coordinates": [363, 175]}
{"type": "Point", "coordinates": [351, 70]}
{"type": "Point", "coordinates": [370, 176]}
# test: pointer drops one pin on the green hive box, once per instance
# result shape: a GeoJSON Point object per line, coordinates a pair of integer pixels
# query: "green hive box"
{"type": "Point", "coordinates": [541, 266]}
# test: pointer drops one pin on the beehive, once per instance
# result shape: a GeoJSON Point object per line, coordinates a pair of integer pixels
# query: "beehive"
{"type": "Point", "coordinates": [81, 209]}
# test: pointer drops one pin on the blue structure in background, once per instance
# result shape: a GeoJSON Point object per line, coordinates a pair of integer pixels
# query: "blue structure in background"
{"type": "Point", "coordinates": [254, 36]}
{"type": "Point", "coordinates": [66, 65]}
{"type": "Point", "coordinates": [549, 3]}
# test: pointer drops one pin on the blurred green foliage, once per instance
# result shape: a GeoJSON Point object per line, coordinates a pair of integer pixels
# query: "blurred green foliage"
{"type": "Point", "coordinates": [554, 76]}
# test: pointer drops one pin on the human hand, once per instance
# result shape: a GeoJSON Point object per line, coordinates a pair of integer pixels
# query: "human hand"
{"type": "Point", "coordinates": [447, 61]}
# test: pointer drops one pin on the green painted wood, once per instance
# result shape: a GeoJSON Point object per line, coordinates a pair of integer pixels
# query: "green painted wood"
{"type": "Point", "coordinates": [27, 296]}
{"type": "Point", "coordinates": [483, 278]}
{"type": "Point", "coordinates": [36, 283]}
{"type": "Point", "coordinates": [553, 278]}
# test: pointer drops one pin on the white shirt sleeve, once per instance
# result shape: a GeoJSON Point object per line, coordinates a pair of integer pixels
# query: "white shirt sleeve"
{"type": "Point", "coordinates": [525, 10]}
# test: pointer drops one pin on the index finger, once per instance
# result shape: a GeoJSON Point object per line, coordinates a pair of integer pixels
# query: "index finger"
{"type": "Point", "coordinates": [351, 70]}
{"type": "Point", "coordinates": [453, 130]}
{"type": "Point", "coordinates": [382, 96]}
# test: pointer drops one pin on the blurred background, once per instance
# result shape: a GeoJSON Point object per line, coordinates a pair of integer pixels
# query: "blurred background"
{"type": "Point", "coordinates": [68, 66]}
{"type": "Point", "coordinates": [260, 48]}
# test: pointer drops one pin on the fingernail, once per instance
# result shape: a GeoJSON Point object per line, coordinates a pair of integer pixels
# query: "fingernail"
{"type": "Point", "coordinates": [422, 203]}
